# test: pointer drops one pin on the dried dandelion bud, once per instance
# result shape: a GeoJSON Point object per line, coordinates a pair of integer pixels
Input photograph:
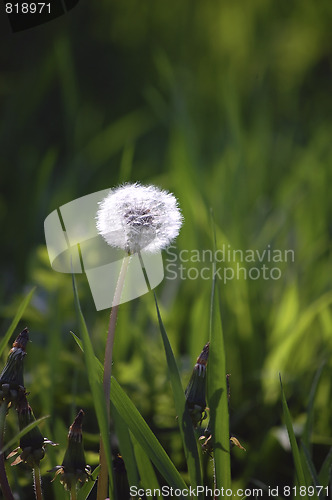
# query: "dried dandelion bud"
{"type": "Point", "coordinates": [74, 468]}
{"type": "Point", "coordinates": [11, 378]}
{"type": "Point", "coordinates": [32, 445]}
{"type": "Point", "coordinates": [196, 389]}
{"type": "Point", "coordinates": [135, 217]}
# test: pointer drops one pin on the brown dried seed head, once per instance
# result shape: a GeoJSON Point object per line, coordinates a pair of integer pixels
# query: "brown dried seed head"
{"type": "Point", "coordinates": [21, 340]}
{"type": "Point", "coordinates": [75, 430]}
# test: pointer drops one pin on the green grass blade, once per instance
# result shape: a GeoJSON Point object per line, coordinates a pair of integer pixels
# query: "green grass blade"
{"type": "Point", "coordinates": [325, 473]}
{"type": "Point", "coordinates": [84, 492]}
{"type": "Point", "coordinates": [126, 447]}
{"type": "Point", "coordinates": [14, 323]}
{"type": "Point", "coordinates": [314, 479]}
{"type": "Point", "coordinates": [99, 366]}
{"type": "Point", "coordinates": [217, 395]}
{"type": "Point", "coordinates": [145, 436]}
{"type": "Point", "coordinates": [185, 423]}
{"type": "Point", "coordinates": [310, 409]}
{"type": "Point", "coordinates": [295, 449]}
{"type": "Point", "coordinates": [148, 477]}
{"type": "Point", "coordinates": [139, 428]}
{"type": "Point", "coordinates": [79, 342]}
{"type": "Point", "coordinates": [22, 433]}
{"type": "Point", "coordinates": [93, 369]}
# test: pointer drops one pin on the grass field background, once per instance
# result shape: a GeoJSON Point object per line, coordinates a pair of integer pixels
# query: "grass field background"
{"type": "Point", "coordinates": [228, 105]}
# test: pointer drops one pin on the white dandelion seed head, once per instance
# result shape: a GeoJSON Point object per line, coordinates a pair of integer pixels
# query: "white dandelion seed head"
{"type": "Point", "coordinates": [135, 217]}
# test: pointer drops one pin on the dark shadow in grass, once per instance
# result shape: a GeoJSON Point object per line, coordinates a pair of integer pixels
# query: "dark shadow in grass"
{"type": "Point", "coordinates": [187, 428]}
{"type": "Point", "coordinates": [214, 401]}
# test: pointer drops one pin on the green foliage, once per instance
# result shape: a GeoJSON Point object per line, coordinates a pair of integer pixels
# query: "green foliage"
{"type": "Point", "coordinates": [228, 105]}
{"type": "Point", "coordinates": [95, 382]}
{"type": "Point", "coordinates": [217, 396]}
{"type": "Point", "coordinates": [295, 450]}
{"type": "Point", "coordinates": [14, 323]}
{"type": "Point", "coordinates": [314, 484]}
{"type": "Point", "coordinates": [145, 437]}
{"type": "Point", "coordinates": [124, 411]}
{"type": "Point", "coordinates": [184, 419]}
{"type": "Point", "coordinates": [10, 444]}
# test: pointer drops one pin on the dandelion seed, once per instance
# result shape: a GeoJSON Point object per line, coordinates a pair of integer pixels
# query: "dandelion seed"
{"type": "Point", "coordinates": [135, 217]}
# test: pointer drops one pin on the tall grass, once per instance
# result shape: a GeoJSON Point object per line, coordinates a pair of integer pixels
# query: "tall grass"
{"type": "Point", "coordinates": [228, 107]}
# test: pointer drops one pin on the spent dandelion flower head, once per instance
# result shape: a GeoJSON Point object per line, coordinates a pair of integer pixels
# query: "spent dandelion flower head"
{"type": "Point", "coordinates": [134, 217]}
{"type": "Point", "coordinates": [74, 469]}
{"type": "Point", "coordinates": [196, 389]}
{"type": "Point", "coordinates": [32, 444]}
{"type": "Point", "coordinates": [11, 377]}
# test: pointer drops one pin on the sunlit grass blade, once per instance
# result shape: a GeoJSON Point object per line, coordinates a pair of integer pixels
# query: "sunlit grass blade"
{"type": "Point", "coordinates": [295, 449]}
{"type": "Point", "coordinates": [310, 408]}
{"type": "Point", "coordinates": [145, 436]}
{"type": "Point", "coordinates": [84, 492]}
{"type": "Point", "coordinates": [217, 395]}
{"type": "Point", "coordinates": [148, 477]}
{"type": "Point", "coordinates": [126, 447]}
{"type": "Point", "coordinates": [99, 366]}
{"type": "Point", "coordinates": [185, 423]}
{"type": "Point", "coordinates": [140, 430]}
{"type": "Point", "coordinates": [96, 387]}
{"type": "Point", "coordinates": [80, 345]}
{"type": "Point", "coordinates": [22, 433]}
{"type": "Point", "coordinates": [17, 317]}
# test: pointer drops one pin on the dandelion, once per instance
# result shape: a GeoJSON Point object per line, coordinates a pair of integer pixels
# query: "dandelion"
{"type": "Point", "coordinates": [74, 469]}
{"type": "Point", "coordinates": [32, 445]}
{"type": "Point", "coordinates": [11, 389]}
{"type": "Point", "coordinates": [135, 217]}
{"type": "Point", "coordinates": [11, 377]}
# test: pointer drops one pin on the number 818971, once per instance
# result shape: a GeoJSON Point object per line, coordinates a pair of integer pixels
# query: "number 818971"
{"type": "Point", "coordinates": [28, 8]}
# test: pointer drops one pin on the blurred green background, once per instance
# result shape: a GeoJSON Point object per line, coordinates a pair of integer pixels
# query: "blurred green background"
{"type": "Point", "coordinates": [228, 105]}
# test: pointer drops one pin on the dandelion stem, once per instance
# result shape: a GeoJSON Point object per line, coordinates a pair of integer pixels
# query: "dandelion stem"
{"type": "Point", "coordinates": [7, 492]}
{"type": "Point", "coordinates": [73, 495]}
{"type": "Point", "coordinates": [103, 476]}
{"type": "Point", "coordinates": [111, 334]}
{"type": "Point", "coordinates": [37, 483]}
